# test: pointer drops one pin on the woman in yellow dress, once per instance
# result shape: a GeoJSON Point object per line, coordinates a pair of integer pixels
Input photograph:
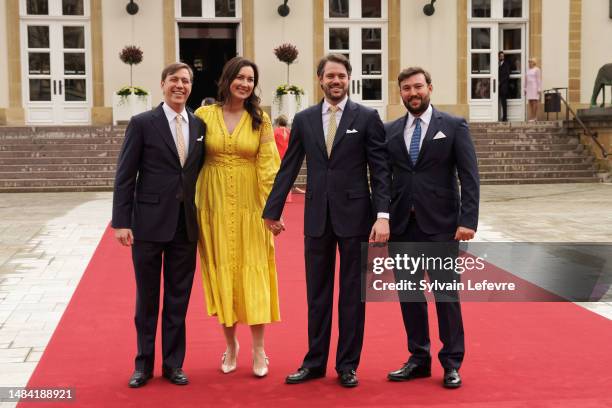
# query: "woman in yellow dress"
{"type": "Point", "coordinates": [236, 249]}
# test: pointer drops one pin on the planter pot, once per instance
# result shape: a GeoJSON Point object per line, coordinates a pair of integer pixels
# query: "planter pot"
{"type": "Point", "coordinates": [289, 105]}
{"type": "Point", "coordinates": [124, 107]}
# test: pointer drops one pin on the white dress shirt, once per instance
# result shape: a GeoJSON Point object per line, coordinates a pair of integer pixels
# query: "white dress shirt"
{"type": "Point", "coordinates": [409, 129]}
{"type": "Point", "coordinates": [171, 116]}
{"type": "Point", "coordinates": [326, 115]}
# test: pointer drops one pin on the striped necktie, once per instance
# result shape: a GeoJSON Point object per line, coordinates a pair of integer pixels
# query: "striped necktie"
{"type": "Point", "coordinates": [332, 126]}
{"type": "Point", "coordinates": [415, 142]}
{"type": "Point", "coordinates": [180, 141]}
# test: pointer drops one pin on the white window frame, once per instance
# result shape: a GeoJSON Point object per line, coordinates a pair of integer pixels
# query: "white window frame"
{"type": "Point", "coordinates": [208, 13]}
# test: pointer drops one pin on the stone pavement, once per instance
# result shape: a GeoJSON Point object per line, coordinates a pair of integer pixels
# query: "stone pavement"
{"type": "Point", "coordinates": [47, 239]}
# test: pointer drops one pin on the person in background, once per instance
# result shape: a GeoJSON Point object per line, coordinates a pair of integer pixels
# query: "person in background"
{"type": "Point", "coordinates": [504, 82]}
{"type": "Point", "coordinates": [281, 136]}
{"type": "Point", "coordinates": [533, 89]}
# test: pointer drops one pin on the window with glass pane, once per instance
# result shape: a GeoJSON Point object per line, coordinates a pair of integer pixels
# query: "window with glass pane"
{"type": "Point", "coordinates": [37, 7]}
{"type": "Point", "coordinates": [481, 63]}
{"type": "Point", "coordinates": [513, 8]}
{"type": "Point", "coordinates": [514, 88]}
{"type": "Point", "coordinates": [371, 64]}
{"type": "Point", "coordinates": [372, 89]}
{"type": "Point", "coordinates": [74, 37]}
{"type": "Point", "coordinates": [338, 38]}
{"type": "Point", "coordinates": [512, 39]}
{"type": "Point", "coordinates": [72, 8]}
{"type": "Point", "coordinates": [371, 39]}
{"type": "Point", "coordinates": [225, 8]}
{"type": "Point", "coordinates": [371, 8]}
{"type": "Point", "coordinates": [74, 90]}
{"type": "Point", "coordinates": [481, 88]}
{"type": "Point", "coordinates": [515, 62]}
{"type": "Point", "coordinates": [40, 90]}
{"type": "Point", "coordinates": [481, 38]}
{"type": "Point", "coordinates": [38, 36]}
{"type": "Point", "coordinates": [39, 63]}
{"type": "Point", "coordinates": [191, 8]}
{"type": "Point", "coordinates": [338, 8]}
{"type": "Point", "coordinates": [74, 63]}
{"type": "Point", "coordinates": [481, 8]}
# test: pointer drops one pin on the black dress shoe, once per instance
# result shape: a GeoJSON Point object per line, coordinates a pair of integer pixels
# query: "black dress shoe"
{"type": "Point", "coordinates": [175, 376]}
{"type": "Point", "coordinates": [452, 379]}
{"type": "Point", "coordinates": [139, 378]}
{"type": "Point", "coordinates": [409, 371]}
{"type": "Point", "coordinates": [348, 379]}
{"type": "Point", "coordinates": [302, 375]}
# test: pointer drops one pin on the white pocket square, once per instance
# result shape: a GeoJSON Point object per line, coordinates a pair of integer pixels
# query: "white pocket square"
{"type": "Point", "coordinates": [351, 131]}
{"type": "Point", "coordinates": [199, 139]}
{"type": "Point", "coordinates": [439, 135]}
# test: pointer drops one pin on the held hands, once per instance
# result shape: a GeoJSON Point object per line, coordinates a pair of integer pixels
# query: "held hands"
{"type": "Point", "coordinates": [380, 231]}
{"type": "Point", "coordinates": [124, 236]}
{"type": "Point", "coordinates": [464, 234]}
{"type": "Point", "coordinates": [275, 226]}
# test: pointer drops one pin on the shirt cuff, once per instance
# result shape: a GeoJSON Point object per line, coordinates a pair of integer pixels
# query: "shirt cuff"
{"type": "Point", "coordinates": [383, 215]}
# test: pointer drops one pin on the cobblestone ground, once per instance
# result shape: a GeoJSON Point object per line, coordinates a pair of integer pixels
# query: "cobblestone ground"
{"type": "Point", "coordinates": [46, 241]}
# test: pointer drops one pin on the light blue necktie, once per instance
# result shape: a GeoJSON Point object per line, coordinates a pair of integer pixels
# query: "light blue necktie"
{"type": "Point", "coordinates": [415, 141]}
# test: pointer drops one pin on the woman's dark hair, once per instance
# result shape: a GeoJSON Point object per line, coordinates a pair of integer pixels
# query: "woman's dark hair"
{"type": "Point", "coordinates": [251, 104]}
{"type": "Point", "coordinates": [282, 121]}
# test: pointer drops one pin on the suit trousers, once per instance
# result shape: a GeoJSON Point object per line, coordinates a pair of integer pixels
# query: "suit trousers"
{"type": "Point", "coordinates": [320, 256]}
{"type": "Point", "coordinates": [414, 312]}
{"type": "Point", "coordinates": [179, 259]}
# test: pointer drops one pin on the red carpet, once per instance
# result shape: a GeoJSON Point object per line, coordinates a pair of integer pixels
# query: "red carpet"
{"type": "Point", "coordinates": [518, 354]}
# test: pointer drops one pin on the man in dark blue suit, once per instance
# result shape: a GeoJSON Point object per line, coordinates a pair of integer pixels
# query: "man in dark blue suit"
{"type": "Point", "coordinates": [340, 140]}
{"type": "Point", "coordinates": [428, 149]}
{"type": "Point", "coordinates": [154, 213]}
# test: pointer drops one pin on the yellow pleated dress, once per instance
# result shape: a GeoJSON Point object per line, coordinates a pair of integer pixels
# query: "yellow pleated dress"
{"type": "Point", "coordinates": [236, 249]}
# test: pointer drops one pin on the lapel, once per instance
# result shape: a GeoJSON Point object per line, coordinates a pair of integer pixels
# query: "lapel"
{"type": "Point", "coordinates": [163, 127]}
{"type": "Point", "coordinates": [348, 116]}
{"type": "Point", "coordinates": [316, 124]}
{"type": "Point", "coordinates": [434, 127]}
{"type": "Point", "coordinates": [398, 136]}
{"type": "Point", "coordinates": [193, 134]}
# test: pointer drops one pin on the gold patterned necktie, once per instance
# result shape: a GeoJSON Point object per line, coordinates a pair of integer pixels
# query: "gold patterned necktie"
{"type": "Point", "coordinates": [180, 140]}
{"type": "Point", "coordinates": [332, 126]}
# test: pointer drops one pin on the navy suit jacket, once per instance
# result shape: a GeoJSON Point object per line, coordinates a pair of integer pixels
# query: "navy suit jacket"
{"type": "Point", "coordinates": [338, 184]}
{"type": "Point", "coordinates": [150, 183]}
{"type": "Point", "coordinates": [430, 185]}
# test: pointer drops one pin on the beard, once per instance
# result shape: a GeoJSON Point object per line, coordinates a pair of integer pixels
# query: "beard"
{"type": "Point", "coordinates": [333, 97]}
{"type": "Point", "coordinates": [422, 107]}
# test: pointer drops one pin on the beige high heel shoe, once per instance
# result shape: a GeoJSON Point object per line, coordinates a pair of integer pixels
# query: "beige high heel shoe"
{"type": "Point", "coordinates": [226, 367]}
{"type": "Point", "coordinates": [261, 371]}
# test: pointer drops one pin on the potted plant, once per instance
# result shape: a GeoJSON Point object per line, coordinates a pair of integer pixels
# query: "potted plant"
{"type": "Point", "coordinates": [288, 99]}
{"type": "Point", "coordinates": [130, 100]}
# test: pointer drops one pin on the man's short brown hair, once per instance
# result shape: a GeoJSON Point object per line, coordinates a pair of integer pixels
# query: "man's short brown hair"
{"type": "Point", "coordinates": [338, 58]}
{"type": "Point", "coordinates": [408, 72]}
{"type": "Point", "coordinates": [174, 67]}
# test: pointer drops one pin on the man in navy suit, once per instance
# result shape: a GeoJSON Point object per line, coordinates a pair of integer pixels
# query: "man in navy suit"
{"type": "Point", "coordinates": [428, 149]}
{"type": "Point", "coordinates": [154, 213]}
{"type": "Point", "coordinates": [341, 140]}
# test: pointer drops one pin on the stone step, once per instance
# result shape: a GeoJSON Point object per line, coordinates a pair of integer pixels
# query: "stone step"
{"type": "Point", "coordinates": [41, 161]}
{"type": "Point", "coordinates": [58, 147]}
{"type": "Point", "coordinates": [489, 169]}
{"type": "Point", "coordinates": [561, 174]}
{"type": "Point", "coordinates": [510, 135]}
{"type": "Point", "coordinates": [526, 147]}
{"type": "Point", "coordinates": [93, 184]}
{"type": "Point", "coordinates": [535, 160]}
{"type": "Point", "coordinates": [60, 153]}
{"type": "Point", "coordinates": [55, 175]}
{"type": "Point", "coordinates": [539, 180]}
{"type": "Point", "coordinates": [510, 154]}
{"type": "Point", "coordinates": [54, 189]}
{"type": "Point", "coordinates": [38, 168]}
{"type": "Point", "coordinates": [58, 131]}
{"type": "Point", "coordinates": [552, 140]}
{"type": "Point", "coordinates": [104, 140]}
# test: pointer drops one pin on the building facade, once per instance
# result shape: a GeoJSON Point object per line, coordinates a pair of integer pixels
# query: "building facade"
{"type": "Point", "coordinates": [61, 64]}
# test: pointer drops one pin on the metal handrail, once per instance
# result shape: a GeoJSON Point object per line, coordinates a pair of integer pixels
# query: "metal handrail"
{"type": "Point", "coordinates": [585, 128]}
